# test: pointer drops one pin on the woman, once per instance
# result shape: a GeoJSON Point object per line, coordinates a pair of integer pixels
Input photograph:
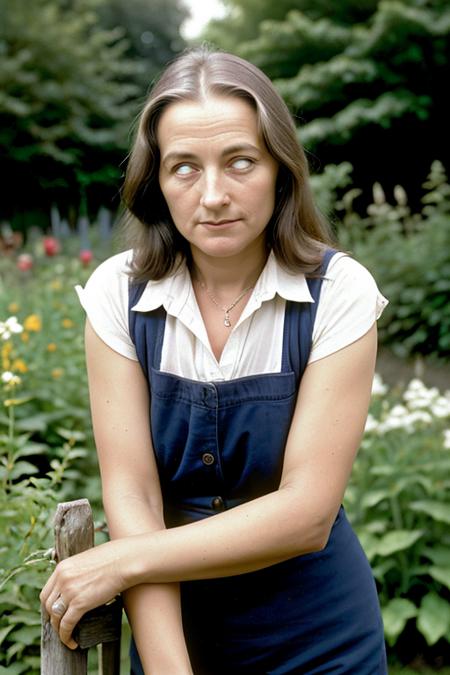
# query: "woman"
{"type": "Point", "coordinates": [253, 343]}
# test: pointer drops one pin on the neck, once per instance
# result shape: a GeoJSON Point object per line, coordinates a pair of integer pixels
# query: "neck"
{"type": "Point", "coordinates": [227, 275]}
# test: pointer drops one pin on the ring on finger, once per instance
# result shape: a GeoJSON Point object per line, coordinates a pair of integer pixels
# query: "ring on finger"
{"type": "Point", "coordinates": [59, 607]}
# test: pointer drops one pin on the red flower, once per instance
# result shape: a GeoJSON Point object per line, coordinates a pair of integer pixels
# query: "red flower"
{"type": "Point", "coordinates": [24, 262]}
{"type": "Point", "coordinates": [51, 246]}
{"type": "Point", "coordinates": [86, 256]}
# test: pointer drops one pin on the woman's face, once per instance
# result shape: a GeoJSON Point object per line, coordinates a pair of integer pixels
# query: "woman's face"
{"type": "Point", "coordinates": [216, 175]}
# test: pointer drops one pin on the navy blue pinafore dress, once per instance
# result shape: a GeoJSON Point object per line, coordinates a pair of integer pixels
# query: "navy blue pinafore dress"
{"type": "Point", "coordinates": [217, 445]}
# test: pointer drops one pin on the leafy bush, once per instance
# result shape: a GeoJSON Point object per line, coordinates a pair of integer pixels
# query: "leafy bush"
{"type": "Point", "coordinates": [399, 503]}
{"type": "Point", "coordinates": [409, 255]}
{"type": "Point", "coordinates": [47, 452]}
{"type": "Point", "coordinates": [27, 504]}
{"type": "Point", "coordinates": [49, 357]}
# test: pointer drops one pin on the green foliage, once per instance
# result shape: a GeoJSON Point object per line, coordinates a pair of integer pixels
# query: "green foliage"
{"type": "Point", "coordinates": [399, 503]}
{"type": "Point", "coordinates": [62, 106]}
{"type": "Point", "coordinates": [409, 255]}
{"type": "Point", "coordinates": [27, 504]}
{"type": "Point", "coordinates": [370, 75]}
{"type": "Point", "coordinates": [151, 31]}
{"type": "Point", "coordinates": [47, 452]}
{"type": "Point", "coordinates": [69, 90]}
{"type": "Point", "coordinates": [48, 358]}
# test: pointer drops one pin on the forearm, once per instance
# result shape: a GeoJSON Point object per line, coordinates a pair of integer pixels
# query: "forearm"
{"type": "Point", "coordinates": [154, 614]}
{"type": "Point", "coordinates": [257, 534]}
{"type": "Point", "coordinates": [153, 610]}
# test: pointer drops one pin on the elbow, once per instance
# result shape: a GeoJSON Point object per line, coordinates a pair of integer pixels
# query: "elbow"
{"type": "Point", "coordinates": [321, 540]}
{"type": "Point", "coordinates": [318, 539]}
{"type": "Point", "coordinates": [314, 535]}
{"type": "Point", "coordinates": [133, 506]}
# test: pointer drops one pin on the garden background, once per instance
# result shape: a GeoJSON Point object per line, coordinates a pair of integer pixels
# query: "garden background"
{"type": "Point", "coordinates": [367, 83]}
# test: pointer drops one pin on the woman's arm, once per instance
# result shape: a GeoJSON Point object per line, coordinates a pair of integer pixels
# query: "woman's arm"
{"type": "Point", "coordinates": [324, 437]}
{"type": "Point", "coordinates": [132, 496]}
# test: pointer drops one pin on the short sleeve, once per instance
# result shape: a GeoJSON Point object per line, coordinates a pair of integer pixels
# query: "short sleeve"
{"type": "Point", "coordinates": [105, 301]}
{"type": "Point", "coordinates": [349, 304]}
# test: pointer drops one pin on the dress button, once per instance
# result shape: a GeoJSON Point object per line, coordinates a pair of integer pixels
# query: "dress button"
{"type": "Point", "coordinates": [208, 459]}
{"type": "Point", "coordinates": [217, 504]}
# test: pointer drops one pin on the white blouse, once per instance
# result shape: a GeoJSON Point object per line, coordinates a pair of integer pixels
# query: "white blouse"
{"type": "Point", "coordinates": [349, 303]}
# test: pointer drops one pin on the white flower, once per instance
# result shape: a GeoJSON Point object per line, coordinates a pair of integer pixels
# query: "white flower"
{"type": "Point", "coordinates": [9, 378]}
{"type": "Point", "coordinates": [441, 407]}
{"type": "Point", "coordinates": [378, 386]}
{"type": "Point", "coordinates": [419, 416]}
{"type": "Point", "coordinates": [399, 411]}
{"type": "Point", "coordinates": [10, 327]}
{"type": "Point", "coordinates": [371, 424]}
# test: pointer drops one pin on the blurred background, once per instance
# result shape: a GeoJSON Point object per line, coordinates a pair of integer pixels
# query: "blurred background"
{"type": "Point", "coordinates": [367, 83]}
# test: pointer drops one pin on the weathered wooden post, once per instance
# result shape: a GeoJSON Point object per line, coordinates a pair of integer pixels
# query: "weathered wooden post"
{"type": "Point", "coordinates": [74, 533]}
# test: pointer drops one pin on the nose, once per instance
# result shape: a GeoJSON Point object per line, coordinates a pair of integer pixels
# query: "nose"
{"type": "Point", "coordinates": [214, 193]}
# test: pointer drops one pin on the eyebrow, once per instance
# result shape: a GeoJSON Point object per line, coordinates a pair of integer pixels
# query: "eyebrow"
{"type": "Point", "coordinates": [175, 156]}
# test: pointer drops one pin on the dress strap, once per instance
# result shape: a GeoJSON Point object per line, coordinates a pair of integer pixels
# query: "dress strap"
{"type": "Point", "coordinates": [146, 329]}
{"type": "Point", "coordinates": [299, 323]}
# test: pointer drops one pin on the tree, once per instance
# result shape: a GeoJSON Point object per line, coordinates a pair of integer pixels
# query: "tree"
{"type": "Point", "coordinates": [68, 95]}
{"type": "Point", "coordinates": [152, 30]}
{"type": "Point", "coordinates": [366, 79]}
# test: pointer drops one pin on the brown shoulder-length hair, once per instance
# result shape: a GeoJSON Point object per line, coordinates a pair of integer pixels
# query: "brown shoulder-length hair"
{"type": "Point", "coordinates": [297, 232]}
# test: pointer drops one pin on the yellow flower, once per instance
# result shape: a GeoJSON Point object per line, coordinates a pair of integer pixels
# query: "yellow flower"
{"type": "Point", "coordinates": [25, 336]}
{"type": "Point", "coordinates": [51, 347]}
{"type": "Point", "coordinates": [67, 323]}
{"type": "Point", "coordinates": [19, 365]}
{"type": "Point", "coordinates": [6, 353]}
{"type": "Point", "coordinates": [13, 307]}
{"type": "Point", "coordinates": [33, 323]}
{"type": "Point", "coordinates": [57, 373]}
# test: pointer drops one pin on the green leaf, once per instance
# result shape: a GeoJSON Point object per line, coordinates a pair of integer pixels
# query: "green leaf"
{"type": "Point", "coordinates": [369, 543]}
{"type": "Point", "coordinates": [26, 635]}
{"type": "Point", "coordinates": [439, 555]}
{"type": "Point", "coordinates": [373, 497]}
{"type": "Point", "coordinates": [4, 632]}
{"type": "Point", "coordinates": [433, 619]}
{"type": "Point", "coordinates": [395, 615]}
{"type": "Point", "coordinates": [380, 571]}
{"type": "Point", "coordinates": [441, 574]}
{"type": "Point", "coordinates": [23, 469]}
{"type": "Point", "coordinates": [397, 540]}
{"type": "Point", "coordinates": [14, 669]}
{"type": "Point", "coordinates": [436, 510]}
{"type": "Point", "coordinates": [71, 434]}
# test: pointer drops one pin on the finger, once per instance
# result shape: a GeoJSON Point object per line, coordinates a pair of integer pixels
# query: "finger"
{"type": "Point", "coordinates": [47, 590]}
{"type": "Point", "coordinates": [51, 599]}
{"type": "Point", "coordinates": [66, 626]}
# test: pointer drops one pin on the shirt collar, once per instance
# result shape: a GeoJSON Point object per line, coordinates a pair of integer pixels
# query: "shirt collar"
{"type": "Point", "coordinates": [173, 292]}
{"type": "Point", "coordinates": [275, 280]}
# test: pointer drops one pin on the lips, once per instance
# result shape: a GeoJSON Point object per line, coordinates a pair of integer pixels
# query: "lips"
{"type": "Point", "coordinates": [216, 223]}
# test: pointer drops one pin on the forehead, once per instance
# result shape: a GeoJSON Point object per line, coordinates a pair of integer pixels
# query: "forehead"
{"type": "Point", "coordinates": [216, 119]}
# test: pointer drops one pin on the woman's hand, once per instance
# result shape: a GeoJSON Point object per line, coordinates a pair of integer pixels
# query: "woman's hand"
{"type": "Point", "coordinates": [82, 582]}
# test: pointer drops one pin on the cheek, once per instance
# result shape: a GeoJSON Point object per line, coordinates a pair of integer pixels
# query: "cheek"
{"type": "Point", "coordinates": [264, 198]}
{"type": "Point", "coordinates": [181, 203]}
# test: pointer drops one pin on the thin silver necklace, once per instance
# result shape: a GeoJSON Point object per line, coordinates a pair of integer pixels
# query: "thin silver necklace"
{"type": "Point", "coordinates": [225, 310]}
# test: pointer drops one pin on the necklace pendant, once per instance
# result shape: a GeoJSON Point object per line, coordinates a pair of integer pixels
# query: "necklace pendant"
{"type": "Point", "coordinates": [226, 321]}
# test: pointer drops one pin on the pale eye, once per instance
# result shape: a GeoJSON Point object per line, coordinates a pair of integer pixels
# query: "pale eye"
{"type": "Point", "coordinates": [184, 170]}
{"type": "Point", "coordinates": [242, 163]}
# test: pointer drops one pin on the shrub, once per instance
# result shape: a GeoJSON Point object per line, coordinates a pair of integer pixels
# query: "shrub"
{"type": "Point", "coordinates": [409, 255]}
{"type": "Point", "coordinates": [399, 503]}
{"type": "Point", "coordinates": [27, 503]}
